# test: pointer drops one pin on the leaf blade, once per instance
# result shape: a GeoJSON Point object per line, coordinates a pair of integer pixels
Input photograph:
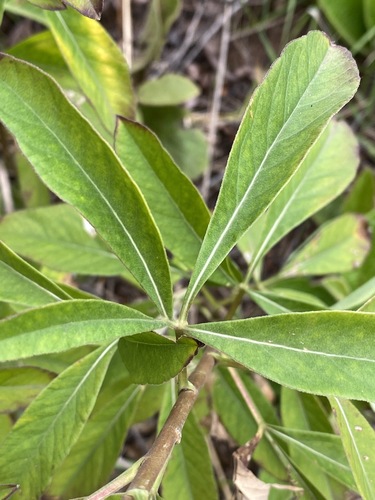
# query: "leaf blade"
{"type": "Point", "coordinates": [96, 63]}
{"type": "Point", "coordinates": [23, 284]}
{"type": "Point", "coordinates": [359, 442]}
{"type": "Point", "coordinates": [163, 184]}
{"type": "Point", "coordinates": [336, 152]}
{"type": "Point", "coordinates": [75, 174]}
{"type": "Point", "coordinates": [51, 425]}
{"type": "Point", "coordinates": [286, 115]}
{"type": "Point", "coordinates": [64, 325]}
{"type": "Point", "coordinates": [310, 351]}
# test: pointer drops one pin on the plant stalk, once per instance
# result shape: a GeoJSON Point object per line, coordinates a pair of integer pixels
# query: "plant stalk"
{"type": "Point", "coordinates": [170, 435]}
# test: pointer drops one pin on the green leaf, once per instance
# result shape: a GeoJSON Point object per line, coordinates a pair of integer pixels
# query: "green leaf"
{"type": "Point", "coordinates": [369, 13]}
{"type": "Point", "coordinates": [369, 306]}
{"type": "Point", "coordinates": [325, 172]}
{"type": "Point", "coordinates": [6, 424]}
{"type": "Point", "coordinates": [289, 300]}
{"type": "Point", "coordinates": [305, 87]}
{"type": "Point", "coordinates": [92, 458]}
{"type": "Point", "coordinates": [189, 474]}
{"type": "Point", "coordinates": [153, 359]}
{"type": "Point", "coordinates": [20, 385]}
{"type": "Point", "coordinates": [267, 303]}
{"type": "Point", "coordinates": [2, 5]}
{"type": "Point", "coordinates": [357, 297]}
{"type": "Point", "coordinates": [61, 326]}
{"type": "Point", "coordinates": [326, 450]}
{"type": "Point", "coordinates": [33, 192]}
{"type": "Point", "coordinates": [346, 17]}
{"type": "Point", "coordinates": [69, 246]}
{"type": "Point", "coordinates": [23, 284]}
{"type": "Point", "coordinates": [306, 412]}
{"type": "Point", "coordinates": [96, 62]}
{"type": "Point", "coordinates": [337, 246]}
{"type": "Point", "coordinates": [358, 438]}
{"type": "Point", "coordinates": [168, 90]}
{"type": "Point", "coordinates": [160, 17]}
{"type": "Point", "coordinates": [187, 146]}
{"type": "Point", "coordinates": [111, 202]}
{"type": "Point", "coordinates": [47, 430]}
{"type": "Point", "coordinates": [25, 9]}
{"type": "Point", "coordinates": [362, 194]}
{"type": "Point", "coordinates": [310, 351]}
{"type": "Point", "coordinates": [49, 4]}
{"type": "Point", "coordinates": [164, 185]}
{"type": "Point", "coordinates": [42, 51]}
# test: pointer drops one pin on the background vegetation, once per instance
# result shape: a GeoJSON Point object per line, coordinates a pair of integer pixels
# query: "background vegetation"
{"type": "Point", "coordinates": [193, 67]}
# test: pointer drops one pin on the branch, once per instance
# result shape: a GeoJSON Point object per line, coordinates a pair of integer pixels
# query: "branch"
{"type": "Point", "coordinates": [170, 435]}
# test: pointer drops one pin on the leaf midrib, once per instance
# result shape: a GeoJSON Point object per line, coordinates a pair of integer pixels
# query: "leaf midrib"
{"type": "Point", "coordinates": [101, 195]}
{"type": "Point", "coordinates": [239, 206]}
{"type": "Point", "coordinates": [278, 346]}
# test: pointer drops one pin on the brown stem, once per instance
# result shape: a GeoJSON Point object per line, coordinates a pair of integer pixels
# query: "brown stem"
{"type": "Point", "coordinates": [159, 454]}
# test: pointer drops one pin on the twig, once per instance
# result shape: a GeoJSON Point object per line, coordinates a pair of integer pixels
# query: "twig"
{"type": "Point", "coordinates": [215, 27]}
{"type": "Point", "coordinates": [247, 398]}
{"type": "Point", "coordinates": [178, 56]}
{"type": "Point", "coordinates": [127, 31]}
{"type": "Point", "coordinates": [8, 165]}
{"type": "Point", "coordinates": [220, 474]}
{"type": "Point", "coordinates": [218, 91]}
{"type": "Point", "coordinates": [5, 189]}
{"type": "Point", "coordinates": [170, 435]}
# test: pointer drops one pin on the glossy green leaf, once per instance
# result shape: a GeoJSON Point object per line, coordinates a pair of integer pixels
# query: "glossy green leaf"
{"type": "Point", "coordinates": [358, 438]}
{"type": "Point", "coordinates": [325, 172]}
{"type": "Point", "coordinates": [346, 16]}
{"type": "Point", "coordinates": [92, 458]}
{"type": "Point", "coordinates": [96, 62]}
{"type": "Point", "coordinates": [20, 385]}
{"type": "Point", "coordinates": [189, 474]}
{"type": "Point", "coordinates": [90, 178]}
{"type": "Point", "coordinates": [164, 185]}
{"type": "Point", "coordinates": [23, 284]}
{"type": "Point", "coordinates": [337, 246]}
{"type": "Point", "coordinates": [62, 326]}
{"type": "Point", "coordinates": [47, 430]}
{"type": "Point", "coordinates": [305, 87]}
{"type": "Point", "coordinates": [168, 90]}
{"type": "Point", "coordinates": [60, 239]}
{"type": "Point", "coordinates": [326, 450]}
{"type": "Point", "coordinates": [236, 417]}
{"type": "Point", "coordinates": [153, 359]}
{"type": "Point", "coordinates": [311, 352]}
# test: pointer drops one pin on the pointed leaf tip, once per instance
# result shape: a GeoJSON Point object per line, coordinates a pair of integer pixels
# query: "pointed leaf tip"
{"type": "Point", "coordinates": [309, 83]}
